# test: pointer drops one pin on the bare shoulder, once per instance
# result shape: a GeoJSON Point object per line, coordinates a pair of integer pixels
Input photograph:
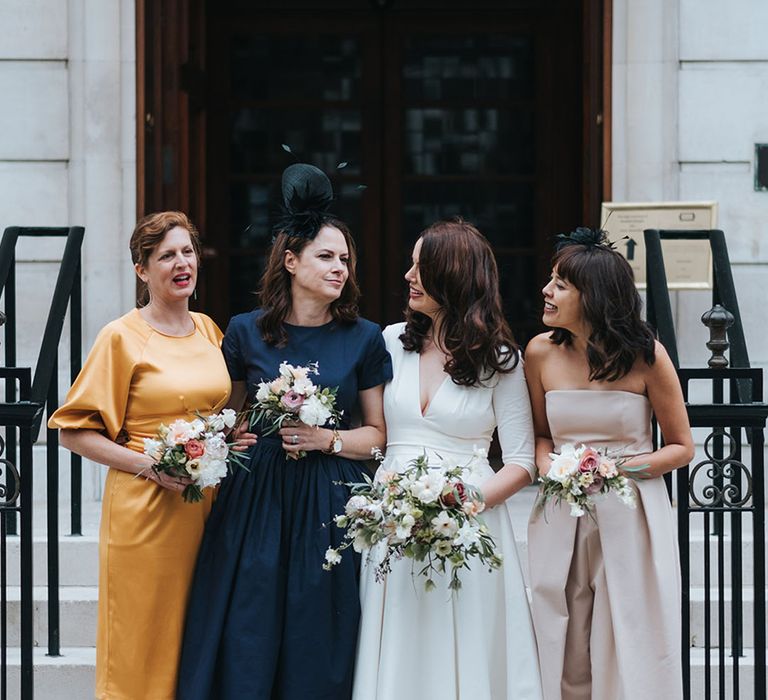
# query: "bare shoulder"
{"type": "Point", "coordinates": [539, 347]}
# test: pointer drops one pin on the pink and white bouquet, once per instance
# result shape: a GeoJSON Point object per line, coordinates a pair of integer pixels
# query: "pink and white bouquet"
{"type": "Point", "coordinates": [293, 396]}
{"type": "Point", "coordinates": [195, 449]}
{"type": "Point", "coordinates": [430, 515]}
{"type": "Point", "coordinates": [578, 474]}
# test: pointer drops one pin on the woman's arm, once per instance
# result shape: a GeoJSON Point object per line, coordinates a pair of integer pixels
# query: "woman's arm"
{"type": "Point", "coordinates": [666, 399]}
{"type": "Point", "coordinates": [513, 416]}
{"type": "Point", "coordinates": [534, 362]}
{"type": "Point", "coordinates": [357, 443]}
{"type": "Point", "coordinates": [92, 445]}
{"type": "Point", "coordinates": [243, 439]}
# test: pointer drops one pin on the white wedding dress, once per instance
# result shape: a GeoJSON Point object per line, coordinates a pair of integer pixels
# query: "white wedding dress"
{"type": "Point", "coordinates": [477, 644]}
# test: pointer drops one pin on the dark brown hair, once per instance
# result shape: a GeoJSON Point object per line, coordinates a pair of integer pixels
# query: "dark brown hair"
{"type": "Point", "coordinates": [150, 232]}
{"type": "Point", "coordinates": [611, 306]}
{"type": "Point", "coordinates": [275, 287]}
{"type": "Point", "coordinates": [458, 270]}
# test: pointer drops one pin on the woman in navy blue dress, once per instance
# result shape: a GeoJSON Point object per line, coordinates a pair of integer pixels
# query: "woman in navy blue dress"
{"type": "Point", "coordinates": [265, 620]}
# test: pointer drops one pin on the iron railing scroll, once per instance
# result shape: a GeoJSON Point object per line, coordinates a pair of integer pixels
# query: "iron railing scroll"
{"type": "Point", "coordinates": [27, 394]}
{"type": "Point", "coordinates": [721, 499]}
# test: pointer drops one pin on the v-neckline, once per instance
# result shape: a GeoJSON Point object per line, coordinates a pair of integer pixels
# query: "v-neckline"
{"type": "Point", "coordinates": [423, 412]}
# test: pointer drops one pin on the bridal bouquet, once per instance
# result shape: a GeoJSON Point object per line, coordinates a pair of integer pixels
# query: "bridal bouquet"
{"type": "Point", "coordinates": [293, 396]}
{"type": "Point", "coordinates": [430, 515]}
{"type": "Point", "coordinates": [195, 449]}
{"type": "Point", "coordinates": [580, 473]}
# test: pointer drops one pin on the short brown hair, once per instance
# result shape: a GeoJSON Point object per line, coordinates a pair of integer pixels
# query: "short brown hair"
{"type": "Point", "coordinates": [150, 232]}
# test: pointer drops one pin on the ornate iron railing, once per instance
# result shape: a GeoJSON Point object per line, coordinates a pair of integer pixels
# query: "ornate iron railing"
{"type": "Point", "coordinates": [21, 414]}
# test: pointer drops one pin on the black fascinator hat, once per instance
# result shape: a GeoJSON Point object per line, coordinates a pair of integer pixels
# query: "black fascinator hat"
{"type": "Point", "coordinates": [307, 196]}
{"type": "Point", "coordinates": [587, 237]}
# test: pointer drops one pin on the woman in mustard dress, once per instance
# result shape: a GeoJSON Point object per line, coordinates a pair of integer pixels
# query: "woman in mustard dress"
{"type": "Point", "coordinates": [156, 364]}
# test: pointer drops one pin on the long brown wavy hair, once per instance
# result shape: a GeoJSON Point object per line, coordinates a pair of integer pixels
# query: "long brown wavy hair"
{"type": "Point", "coordinates": [275, 287]}
{"type": "Point", "coordinates": [458, 270]}
{"type": "Point", "coordinates": [611, 306]}
{"type": "Point", "coordinates": [149, 233]}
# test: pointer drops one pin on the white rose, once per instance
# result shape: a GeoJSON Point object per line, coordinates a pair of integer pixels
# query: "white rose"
{"type": "Point", "coordinates": [332, 557]}
{"type": "Point", "coordinates": [355, 503]}
{"type": "Point", "coordinates": [405, 526]}
{"type": "Point", "coordinates": [427, 488]}
{"type": "Point", "coordinates": [179, 432]}
{"type": "Point", "coordinates": [230, 417]}
{"type": "Point", "coordinates": [216, 447]}
{"type": "Point", "coordinates": [215, 423]}
{"type": "Point", "coordinates": [466, 536]}
{"type": "Point", "coordinates": [564, 465]}
{"type": "Point", "coordinates": [304, 386]}
{"type": "Point", "coordinates": [153, 448]}
{"type": "Point", "coordinates": [211, 473]}
{"type": "Point", "coordinates": [263, 392]}
{"type": "Point", "coordinates": [444, 525]}
{"type": "Point", "coordinates": [313, 412]}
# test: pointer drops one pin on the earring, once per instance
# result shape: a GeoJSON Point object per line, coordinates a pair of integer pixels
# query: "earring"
{"type": "Point", "coordinates": [194, 293]}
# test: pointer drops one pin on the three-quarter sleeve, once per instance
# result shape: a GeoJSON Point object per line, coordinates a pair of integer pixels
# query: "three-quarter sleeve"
{"type": "Point", "coordinates": [232, 347]}
{"type": "Point", "coordinates": [513, 418]}
{"type": "Point", "coordinates": [98, 398]}
{"type": "Point", "coordinates": [375, 366]}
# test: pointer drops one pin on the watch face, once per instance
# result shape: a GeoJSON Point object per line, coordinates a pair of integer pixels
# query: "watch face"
{"type": "Point", "coordinates": [337, 445]}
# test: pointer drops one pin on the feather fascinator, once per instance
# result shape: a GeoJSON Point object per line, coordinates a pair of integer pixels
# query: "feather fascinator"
{"type": "Point", "coordinates": [584, 236]}
{"type": "Point", "coordinates": [307, 196]}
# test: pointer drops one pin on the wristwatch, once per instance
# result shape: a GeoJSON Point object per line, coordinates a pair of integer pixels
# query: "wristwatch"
{"type": "Point", "coordinates": [336, 445]}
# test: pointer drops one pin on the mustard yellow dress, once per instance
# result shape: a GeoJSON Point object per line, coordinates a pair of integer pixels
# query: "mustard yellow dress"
{"type": "Point", "coordinates": [135, 378]}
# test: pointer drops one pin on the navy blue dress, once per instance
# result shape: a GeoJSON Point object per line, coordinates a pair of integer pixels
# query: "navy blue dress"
{"type": "Point", "coordinates": [264, 619]}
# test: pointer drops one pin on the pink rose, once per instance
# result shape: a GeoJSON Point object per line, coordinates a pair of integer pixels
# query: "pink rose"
{"type": "Point", "coordinates": [194, 449]}
{"type": "Point", "coordinates": [292, 401]}
{"type": "Point", "coordinates": [589, 461]}
{"type": "Point", "coordinates": [607, 468]}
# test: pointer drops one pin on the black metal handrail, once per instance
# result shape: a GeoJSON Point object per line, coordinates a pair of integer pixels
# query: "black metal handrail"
{"type": "Point", "coordinates": [725, 485]}
{"type": "Point", "coordinates": [26, 396]}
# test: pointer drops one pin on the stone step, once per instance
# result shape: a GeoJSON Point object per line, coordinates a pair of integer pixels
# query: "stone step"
{"type": "Point", "coordinates": [698, 608]}
{"type": "Point", "coordinates": [78, 561]}
{"type": "Point", "coordinates": [746, 676]}
{"type": "Point", "coordinates": [78, 607]}
{"type": "Point", "coordinates": [71, 676]}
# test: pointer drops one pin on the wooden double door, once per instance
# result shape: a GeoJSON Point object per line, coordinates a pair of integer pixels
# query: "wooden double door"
{"type": "Point", "coordinates": [488, 111]}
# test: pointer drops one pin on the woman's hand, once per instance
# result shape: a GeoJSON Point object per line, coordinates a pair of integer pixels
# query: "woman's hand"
{"type": "Point", "coordinates": [299, 437]}
{"type": "Point", "coordinates": [242, 439]}
{"type": "Point", "coordinates": [166, 481]}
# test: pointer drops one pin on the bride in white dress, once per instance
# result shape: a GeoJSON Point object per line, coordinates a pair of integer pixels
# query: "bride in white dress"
{"type": "Point", "coordinates": [459, 379]}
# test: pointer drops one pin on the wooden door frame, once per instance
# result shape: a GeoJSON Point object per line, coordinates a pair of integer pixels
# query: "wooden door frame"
{"type": "Point", "coordinates": [171, 116]}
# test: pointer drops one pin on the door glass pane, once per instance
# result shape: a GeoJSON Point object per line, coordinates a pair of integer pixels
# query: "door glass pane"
{"type": "Point", "coordinates": [466, 67]}
{"type": "Point", "coordinates": [304, 91]}
{"type": "Point", "coordinates": [469, 146]}
{"type": "Point", "coordinates": [469, 141]}
{"type": "Point", "coordinates": [502, 211]}
{"type": "Point", "coordinates": [290, 67]}
{"type": "Point", "coordinates": [322, 137]}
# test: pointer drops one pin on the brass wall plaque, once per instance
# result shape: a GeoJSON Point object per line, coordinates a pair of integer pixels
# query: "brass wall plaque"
{"type": "Point", "coordinates": [688, 264]}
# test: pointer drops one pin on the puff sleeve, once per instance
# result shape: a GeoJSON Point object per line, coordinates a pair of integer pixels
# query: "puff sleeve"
{"type": "Point", "coordinates": [512, 408]}
{"type": "Point", "coordinates": [375, 366]}
{"type": "Point", "coordinates": [98, 398]}
{"type": "Point", "coordinates": [232, 348]}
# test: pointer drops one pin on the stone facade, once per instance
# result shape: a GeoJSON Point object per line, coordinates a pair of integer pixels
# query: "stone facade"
{"type": "Point", "coordinates": [690, 95]}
